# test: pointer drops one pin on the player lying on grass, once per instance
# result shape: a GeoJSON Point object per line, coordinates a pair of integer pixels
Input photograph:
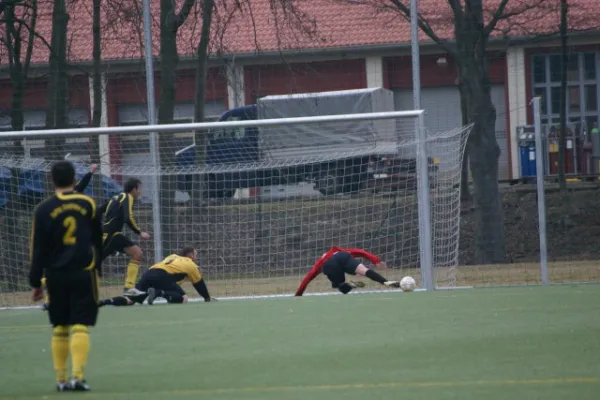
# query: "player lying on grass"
{"type": "Point", "coordinates": [338, 262]}
{"type": "Point", "coordinates": [163, 280]}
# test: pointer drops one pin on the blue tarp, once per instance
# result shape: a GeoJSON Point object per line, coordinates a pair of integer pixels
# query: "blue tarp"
{"type": "Point", "coordinates": [32, 188]}
{"type": "Point", "coordinates": [31, 183]}
{"type": "Point", "coordinates": [5, 177]}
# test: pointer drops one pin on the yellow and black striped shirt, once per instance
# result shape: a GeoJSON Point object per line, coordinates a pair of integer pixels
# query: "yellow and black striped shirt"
{"type": "Point", "coordinates": [119, 212]}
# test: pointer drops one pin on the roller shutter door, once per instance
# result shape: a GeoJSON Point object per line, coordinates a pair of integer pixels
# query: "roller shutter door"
{"type": "Point", "coordinates": [442, 108]}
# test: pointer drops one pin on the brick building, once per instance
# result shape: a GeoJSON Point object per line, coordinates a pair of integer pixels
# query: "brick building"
{"type": "Point", "coordinates": [351, 51]}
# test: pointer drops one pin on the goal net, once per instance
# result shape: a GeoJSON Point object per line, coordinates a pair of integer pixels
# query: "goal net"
{"type": "Point", "coordinates": [261, 200]}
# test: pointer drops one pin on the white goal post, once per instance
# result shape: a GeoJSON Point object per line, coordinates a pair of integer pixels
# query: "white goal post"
{"type": "Point", "coordinates": [261, 199]}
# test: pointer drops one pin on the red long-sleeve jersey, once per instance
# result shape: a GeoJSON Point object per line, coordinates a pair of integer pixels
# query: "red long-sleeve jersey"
{"type": "Point", "coordinates": [316, 269]}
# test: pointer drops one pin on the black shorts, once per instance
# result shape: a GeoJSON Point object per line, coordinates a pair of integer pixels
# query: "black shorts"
{"type": "Point", "coordinates": [115, 242]}
{"type": "Point", "coordinates": [338, 265]}
{"type": "Point", "coordinates": [158, 279]}
{"type": "Point", "coordinates": [73, 297]}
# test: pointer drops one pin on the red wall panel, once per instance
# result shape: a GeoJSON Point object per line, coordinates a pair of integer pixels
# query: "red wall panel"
{"type": "Point", "coordinates": [399, 71]}
{"type": "Point", "coordinates": [35, 93]}
{"type": "Point", "coordinates": [289, 78]}
{"type": "Point", "coordinates": [131, 87]}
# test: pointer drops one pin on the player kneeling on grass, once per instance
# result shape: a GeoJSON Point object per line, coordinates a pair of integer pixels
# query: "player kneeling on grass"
{"type": "Point", "coordinates": [163, 279]}
{"type": "Point", "coordinates": [337, 262]}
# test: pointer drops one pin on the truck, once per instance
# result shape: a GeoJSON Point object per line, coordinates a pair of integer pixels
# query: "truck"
{"type": "Point", "coordinates": [334, 156]}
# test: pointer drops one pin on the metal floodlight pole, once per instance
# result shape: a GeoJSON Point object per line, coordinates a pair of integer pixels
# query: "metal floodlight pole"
{"type": "Point", "coordinates": [425, 233]}
{"type": "Point", "coordinates": [158, 252]}
{"type": "Point", "coordinates": [415, 54]}
{"type": "Point", "coordinates": [541, 198]}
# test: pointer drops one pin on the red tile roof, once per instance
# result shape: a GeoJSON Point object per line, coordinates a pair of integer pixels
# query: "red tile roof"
{"type": "Point", "coordinates": [253, 29]}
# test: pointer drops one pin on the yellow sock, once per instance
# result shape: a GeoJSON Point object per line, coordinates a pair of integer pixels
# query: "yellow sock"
{"type": "Point", "coordinates": [132, 272]}
{"type": "Point", "coordinates": [80, 347]}
{"type": "Point", "coordinates": [60, 351]}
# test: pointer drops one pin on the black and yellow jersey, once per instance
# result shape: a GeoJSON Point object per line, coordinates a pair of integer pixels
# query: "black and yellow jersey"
{"type": "Point", "coordinates": [83, 183]}
{"type": "Point", "coordinates": [119, 211]}
{"type": "Point", "coordinates": [180, 268]}
{"type": "Point", "coordinates": [66, 234]}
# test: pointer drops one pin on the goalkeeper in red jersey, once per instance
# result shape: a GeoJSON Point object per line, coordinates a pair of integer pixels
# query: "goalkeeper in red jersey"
{"type": "Point", "coordinates": [338, 262]}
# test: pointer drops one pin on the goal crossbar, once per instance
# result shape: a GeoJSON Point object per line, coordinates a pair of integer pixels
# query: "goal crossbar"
{"type": "Point", "coordinates": [197, 126]}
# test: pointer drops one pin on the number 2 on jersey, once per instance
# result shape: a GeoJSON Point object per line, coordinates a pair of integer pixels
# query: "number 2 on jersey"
{"type": "Point", "coordinates": [70, 224]}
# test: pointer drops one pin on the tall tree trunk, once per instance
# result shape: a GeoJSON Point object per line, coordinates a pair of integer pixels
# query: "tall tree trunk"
{"type": "Point", "coordinates": [97, 72]}
{"type": "Point", "coordinates": [18, 72]}
{"type": "Point", "coordinates": [465, 193]}
{"type": "Point", "coordinates": [473, 25]}
{"type": "Point", "coordinates": [169, 59]}
{"type": "Point", "coordinates": [200, 138]}
{"type": "Point", "coordinates": [562, 135]}
{"type": "Point", "coordinates": [484, 153]}
{"type": "Point", "coordinates": [18, 68]}
{"type": "Point", "coordinates": [9, 211]}
{"type": "Point", "coordinates": [56, 105]}
{"type": "Point", "coordinates": [170, 22]}
{"type": "Point", "coordinates": [97, 99]}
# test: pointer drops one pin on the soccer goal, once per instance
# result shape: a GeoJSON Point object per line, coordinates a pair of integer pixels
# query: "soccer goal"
{"type": "Point", "coordinates": [260, 199]}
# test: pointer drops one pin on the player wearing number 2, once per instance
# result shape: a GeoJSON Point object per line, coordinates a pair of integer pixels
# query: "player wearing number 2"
{"type": "Point", "coordinates": [79, 187]}
{"type": "Point", "coordinates": [66, 244]}
{"type": "Point", "coordinates": [338, 262]}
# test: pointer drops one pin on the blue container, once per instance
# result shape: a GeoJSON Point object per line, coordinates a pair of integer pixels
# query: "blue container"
{"type": "Point", "coordinates": [528, 167]}
{"type": "Point", "coordinates": [532, 165]}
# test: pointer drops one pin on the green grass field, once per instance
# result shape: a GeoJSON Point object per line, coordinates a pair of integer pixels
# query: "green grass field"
{"type": "Point", "coordinates": [512, 343]}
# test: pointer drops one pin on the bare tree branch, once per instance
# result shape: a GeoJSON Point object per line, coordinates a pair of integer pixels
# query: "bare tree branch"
{"type": "Point", "coordinates": [184, 13]}
{"type": "Point", "coordinates": [456, 8]}
{"type": "Point", "coordinates": [32, 30]}
{"type": "Point", "coordinates": [501, 13]}
{"type": "Point", "coordinates": [425, 27]}
{"type": "Point", "coordinates": [29, 51]}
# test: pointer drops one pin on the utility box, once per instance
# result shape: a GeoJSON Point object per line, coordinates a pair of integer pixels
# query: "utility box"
{"type": "Point", "coordinates": [526, 141]}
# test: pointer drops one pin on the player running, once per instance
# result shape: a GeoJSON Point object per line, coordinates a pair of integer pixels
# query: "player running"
{"type": "Point", "coordinates": [163, 280]}
{"type": "Point", "coordinates": [66, 243]}
{"type": "Point", "coordinates": [119, 211]}
{"type": "Point", "coordinates": [337, 262]}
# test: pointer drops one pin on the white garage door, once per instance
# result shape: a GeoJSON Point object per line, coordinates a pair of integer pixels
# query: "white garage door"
{"type": "Point", "coordinates": [136, 149]}
{"type": "Point", "coordinates": [442, 112]}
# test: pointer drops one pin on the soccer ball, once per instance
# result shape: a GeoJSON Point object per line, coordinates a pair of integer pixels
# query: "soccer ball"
{"type": "Point", "coordinates": [408, 284]}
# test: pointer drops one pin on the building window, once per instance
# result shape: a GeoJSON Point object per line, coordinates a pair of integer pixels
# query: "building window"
{"type": "Point", "coordinates": [583, 70]}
